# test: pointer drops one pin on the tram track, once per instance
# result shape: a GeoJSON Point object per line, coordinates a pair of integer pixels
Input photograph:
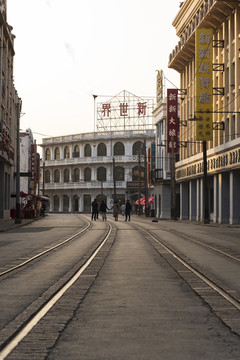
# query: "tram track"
{"type": "Point", "coordinates": [14, 337]}
{"type": "Point", "coordinates": [217, 250]}
{"type": "Point", "coordinates": [224, 302]}
{"type": "Point", "coordinates": [48, 250]}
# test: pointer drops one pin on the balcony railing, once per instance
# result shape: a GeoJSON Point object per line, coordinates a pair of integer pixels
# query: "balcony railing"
{"type": "Point", "coordinates": [85, 185]}
{"type": "Point", "coordinates": [93, 160]}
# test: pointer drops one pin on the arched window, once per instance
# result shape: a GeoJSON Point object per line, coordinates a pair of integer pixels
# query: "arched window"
{"type": "Point", "coordinates": [47, 154]}
{"type": "Point", "coordinates": [119, 149]}
{"type": "Point", "coordinates": [135, 173]}
{"type": "Point", "coordinates": [101, 150]}
{"type": "Point", "coordinates": [101, 174]}
{"type": "Point", "coordinates": [76, 151]}
{"type": "Point", "coordinates": [56, 154]}
{"type": "Point", "coordinates": [76, 174]}
{"type": "Point", "coordinates": [56, 176]}
{"type": "Point", "coordinates": [66, 176]}
{"type": "Point", "coordinates": [66, 153]}
{"type": "Point", "coordinates": [138, 146]}
{"type": "Point", "coordinates": [87, 151]}
{"type": "Point", "coordinates": [119, 173]}
{"type": "Point", "coordinates": [47, 176]}
{"type": "Point", "coordinates": [87, 174]}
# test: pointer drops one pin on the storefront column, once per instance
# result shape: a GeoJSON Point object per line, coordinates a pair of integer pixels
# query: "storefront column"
{"type": "Point", "coordinates": [70, 209]}
{"type": "Point", "coordinates": [223, 181]}
{"type": "Point", "coordinates": [192, 200]}
{"type": "Point", "coordinates": [80, 203]}
{"type": "Point", "coordinates": [234, 198]}
{"type": "Point", "coordinates": [184, 201]}
{"type": "Point", "coordinates": [215, 199]}
{"type": "Point", "coordinates": [60, 203]}
{"type": "Point", "coordinates": [198, 200]}
{"type": "Point", "coordinates": [51, 207]}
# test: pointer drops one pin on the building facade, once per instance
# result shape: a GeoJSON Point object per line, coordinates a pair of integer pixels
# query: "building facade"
{"type": "Point", "coordinates": [78, 168]}
{"type": "Point", "coordinates": [161, 176]}
{"type": "Point", "coordinates": [26, 142]}
{"type": "Point", "coordinates": [10, 102]}
{"type": "Point", "coordinates": [223, 151]}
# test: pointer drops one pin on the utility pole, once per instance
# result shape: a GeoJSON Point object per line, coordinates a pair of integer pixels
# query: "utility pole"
{"type": "Point", "coordinates": [173, 183]}
{"type": "Point", "coordinates": [139, 180]}
{"type": "Point", "coordinates": [43, 178]}
{"type": "Point", "coordinates": [206, 219]}
{"type": "Point", "coordinates": [114, 181]}
{"type": "Point", "coordinates": [18, 209]}
{"type": "Point", "coordinates": [146, 180]}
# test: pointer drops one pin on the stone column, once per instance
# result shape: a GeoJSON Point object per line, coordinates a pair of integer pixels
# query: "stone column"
{"type": "Point", "coordinates": [192, 200]}
{"type": "Point", "coordinates": [215, 199]}
{"type": "Point", "coordinates": [184, 201]}
{"type": "Point", "coordinates": [223, 196]}
{"type": "Point", "coordinates": [198, 199]}
{"type": "Point", "coordinates": [234, 198]}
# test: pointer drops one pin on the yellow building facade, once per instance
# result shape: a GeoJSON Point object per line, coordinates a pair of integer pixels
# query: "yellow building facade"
{"type": "Point", "coordinates": [222, 18]}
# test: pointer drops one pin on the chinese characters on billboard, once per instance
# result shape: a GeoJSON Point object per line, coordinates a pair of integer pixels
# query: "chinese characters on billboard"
{"type": "Point", "coordinates": [172, 120]}
{"type": "Point", "coordinates": [125, 111]}
{"type": "Point", "coordinates": [204, 102]}
{"type": "Point", "coordinates": [141, 109]}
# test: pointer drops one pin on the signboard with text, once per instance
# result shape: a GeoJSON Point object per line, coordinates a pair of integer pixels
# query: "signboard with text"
{"type": "Point", "coordinates": [125, 111]}
{"type": "Point", "coordinates": [204, 98]}
{"type": "Point", "coordinates": [172, 120]}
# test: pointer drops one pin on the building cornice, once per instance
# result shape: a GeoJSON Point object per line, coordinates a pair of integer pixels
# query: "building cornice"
{"type": "Point", "coordinates": [192, 15]}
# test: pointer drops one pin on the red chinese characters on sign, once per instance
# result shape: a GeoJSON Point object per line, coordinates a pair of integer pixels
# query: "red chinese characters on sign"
{"type": "Point", "coordinates": [142, 108]}
{"type": "Point", "coordinates": [172, 120]}
{"type": "Point", "coordinates": [123, 109]}
{"type": "Point", "coordinates": [106, 109]}
{"type": "Point", "coordinates": [33, 162]}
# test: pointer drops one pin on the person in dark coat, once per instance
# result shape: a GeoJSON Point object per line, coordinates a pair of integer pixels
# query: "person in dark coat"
{"type": "Point", "coordinates": [94, 209]}
{"type": "Point", "coordinates": [128, 209]}
{"type": "Point", "coordinates": [103, 210]}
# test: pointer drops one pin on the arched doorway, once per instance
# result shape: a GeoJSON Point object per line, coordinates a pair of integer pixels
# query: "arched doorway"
{"type": "Point", "coordinates": [75, 203]}
{"type": "Point", "coordinates": [56, 203]}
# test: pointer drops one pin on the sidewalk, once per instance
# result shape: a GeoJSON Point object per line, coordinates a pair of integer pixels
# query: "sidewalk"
{"type": "Point", "coordinates": [9, 224]}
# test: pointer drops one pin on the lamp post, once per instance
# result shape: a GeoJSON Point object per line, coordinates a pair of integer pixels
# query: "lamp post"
{"type": "Point", "coordinates": [94, 98]}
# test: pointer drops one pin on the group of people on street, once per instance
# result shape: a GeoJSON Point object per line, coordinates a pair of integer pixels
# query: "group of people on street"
{"type": "Point", "coordinates": [103, 210]}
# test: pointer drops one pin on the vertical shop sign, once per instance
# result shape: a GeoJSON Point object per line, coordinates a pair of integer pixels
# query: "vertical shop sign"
{"type": "Point", "coordinates": [204, 99]}
{"type": "Point", "coordinates": [172, 120]}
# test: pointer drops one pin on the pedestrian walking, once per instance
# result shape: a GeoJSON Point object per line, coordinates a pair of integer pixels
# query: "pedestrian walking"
{"type": "Point", "coordinates": [128, 209]}
{"type": "Point", "coordinates": [115, 208]}
{"type": "Point", "coordinates": [103, 210]}
{"type": "Point", "coordinates": [94, 209]}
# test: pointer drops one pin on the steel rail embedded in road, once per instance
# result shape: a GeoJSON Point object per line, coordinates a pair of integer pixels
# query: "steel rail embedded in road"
{"type": "Point", "coordinates": [210, 283]}
{"type": "Point", "coordinates": [205, 245]}
{"type": "Point", "coordinates": [45, 251]}
{"type": "Point", "coordinates": [20, 335]}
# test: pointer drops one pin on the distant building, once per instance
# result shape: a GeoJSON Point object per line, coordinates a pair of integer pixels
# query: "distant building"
{"type": "Point", "coordinates": [26, 142]}
{"type": "Point", "coordinates": [78, 168]}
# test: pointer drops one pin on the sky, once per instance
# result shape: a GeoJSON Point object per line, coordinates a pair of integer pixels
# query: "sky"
{"type": "Point", "coordinates": [68, 50]}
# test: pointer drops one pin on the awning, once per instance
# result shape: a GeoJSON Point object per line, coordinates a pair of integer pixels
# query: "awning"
{"type": "Point", "coordinates": [38, 197]}
{"type": "Point", "coordinates": [142, 200]}
{"type": "Point", "coordinates": [23, 194]}
{"type": "Point", "coordinates": [44, 198]}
